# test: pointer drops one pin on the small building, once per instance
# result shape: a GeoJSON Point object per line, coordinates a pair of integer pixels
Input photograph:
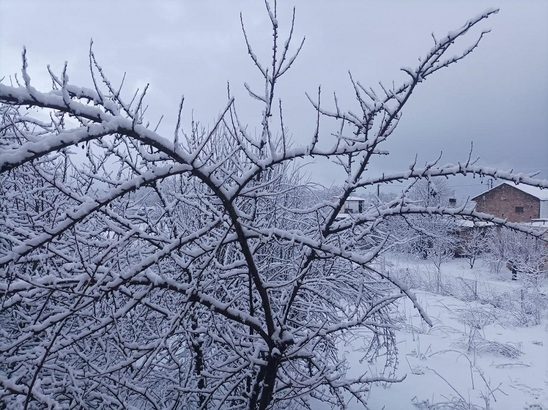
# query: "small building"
{"type": "Point", "coordinates": [515, 203]}
{"type": "Point", "coordinates": [352, 205]}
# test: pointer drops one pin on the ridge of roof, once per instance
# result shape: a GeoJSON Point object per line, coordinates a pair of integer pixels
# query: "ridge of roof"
{"type": "Point", "coordinates": [537, 192]}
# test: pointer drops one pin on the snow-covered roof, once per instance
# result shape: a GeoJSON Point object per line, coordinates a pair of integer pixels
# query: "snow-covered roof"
{"type": "Point", "coordinates": [350, 198]}
{"type": "Point", "coordinates": [539, 193]}
{"type": "Point", "coordinates": [355, 198]}
{"type": "Point", "coordinates": [539, 222]}
{"type": "Point", "coordinates": [535, 223]}
{"type": "Point", "coordinates": [467, 223]}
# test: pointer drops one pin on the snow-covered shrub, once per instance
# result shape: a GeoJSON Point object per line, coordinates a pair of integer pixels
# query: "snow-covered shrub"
{"type": "Point", "coordinates": [473, 243]}
{"type": "Point", "coordinates": [430, 236]}
{"type": "Point", "coordinates": [476, 317]}
{"type": "Point", "coordinates": [528, 254]}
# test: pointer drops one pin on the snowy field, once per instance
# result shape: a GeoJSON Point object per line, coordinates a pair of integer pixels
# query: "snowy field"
{"type": "Point", "coordinates": [481, 353]}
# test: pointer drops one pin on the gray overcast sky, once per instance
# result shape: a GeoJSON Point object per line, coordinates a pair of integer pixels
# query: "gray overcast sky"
{"type": "Point", "coordinates": [497, 97]}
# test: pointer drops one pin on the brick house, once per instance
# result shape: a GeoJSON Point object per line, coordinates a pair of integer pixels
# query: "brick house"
{"type": "Point", "coordinates": [515, 203]}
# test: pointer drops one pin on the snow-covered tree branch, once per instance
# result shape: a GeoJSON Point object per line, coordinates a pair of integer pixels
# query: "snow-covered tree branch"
{"type": "Point", "coordinates": [197, 270]}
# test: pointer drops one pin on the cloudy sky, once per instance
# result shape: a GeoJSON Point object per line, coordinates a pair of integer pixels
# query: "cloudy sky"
{"type": "Point", "coordinates": [497, 98]}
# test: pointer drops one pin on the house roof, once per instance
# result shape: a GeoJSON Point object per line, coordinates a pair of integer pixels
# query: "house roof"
{"type": "Point", "coordinates": [350, 198]}
{"type": "Point", "coordinates": [355, 198]}
{"type": "Point", "coordinates": [539, 193]}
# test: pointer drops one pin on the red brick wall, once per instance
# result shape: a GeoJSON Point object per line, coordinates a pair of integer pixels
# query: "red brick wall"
{"type": "Point", "coordinates": [503, 200]}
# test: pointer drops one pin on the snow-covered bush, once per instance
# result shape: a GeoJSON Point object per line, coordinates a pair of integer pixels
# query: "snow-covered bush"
{"type": "Point", "coordinates": [473, 243]}
{"type": "Point", "coordinates": [196, 270]}
{"type": "Point", "coordinates": [432, 237]}
{"type": "Point", "coordinates": [528, 254]}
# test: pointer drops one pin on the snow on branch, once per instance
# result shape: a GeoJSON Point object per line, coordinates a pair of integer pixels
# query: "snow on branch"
{"type": "Point", "coordinates": [200, 269]}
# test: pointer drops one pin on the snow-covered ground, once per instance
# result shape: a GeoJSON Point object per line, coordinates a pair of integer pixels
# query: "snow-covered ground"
{"type": "Point", "coordinates": [480, 354]}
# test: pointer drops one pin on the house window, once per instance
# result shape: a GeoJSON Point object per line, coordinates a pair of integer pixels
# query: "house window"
{"type": "Point", "coordinates": [519, 209]}
{"type": "Point", "coordinates": [452, 202]}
